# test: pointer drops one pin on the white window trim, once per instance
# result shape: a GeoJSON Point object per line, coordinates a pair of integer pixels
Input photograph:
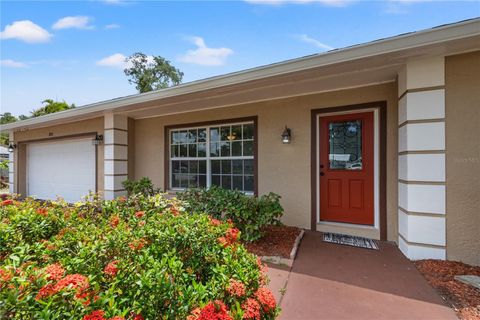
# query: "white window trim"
{"type": "Point", "coordinates": [207, 158]}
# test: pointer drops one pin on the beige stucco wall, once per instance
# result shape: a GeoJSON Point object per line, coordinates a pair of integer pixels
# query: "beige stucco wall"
{"type": "Point", "coordinates": [54, 132]}
{"type": "Point", "coordinates": [284, 169]}
{"type": "Point", "coordinates": [463, 157]}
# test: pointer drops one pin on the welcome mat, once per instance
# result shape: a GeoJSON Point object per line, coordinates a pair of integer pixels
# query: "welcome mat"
{"type": "Point", "coordinates": [350, 240]}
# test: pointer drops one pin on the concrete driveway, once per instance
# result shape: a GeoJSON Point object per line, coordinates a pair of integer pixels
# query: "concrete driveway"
{"type": "Point", "coordinates": [329, 281]}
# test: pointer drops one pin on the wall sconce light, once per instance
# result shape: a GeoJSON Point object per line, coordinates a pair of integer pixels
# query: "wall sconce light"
{"type": "Point", "coordinates": [286, 135]}
{"type": "Point", "coordinates": [11, 146]}
{"type": "Point", "coordinates": [98, 140]}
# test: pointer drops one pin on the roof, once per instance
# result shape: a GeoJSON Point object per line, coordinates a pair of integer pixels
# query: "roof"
{"type": "Point", "coordinates": [414, 40]}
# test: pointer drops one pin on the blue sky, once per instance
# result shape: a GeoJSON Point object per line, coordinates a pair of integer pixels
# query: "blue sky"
{"type": "Point", "coordinates": [73, 51]}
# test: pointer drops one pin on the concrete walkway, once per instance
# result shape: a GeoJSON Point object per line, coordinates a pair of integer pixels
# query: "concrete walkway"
{"type": "Point", "coordinates": [329, 281]}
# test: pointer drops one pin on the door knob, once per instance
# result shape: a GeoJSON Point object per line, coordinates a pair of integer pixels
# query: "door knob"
{"type": "Point", "coordinates": [322, 174]}
{"type": "Point", "coordinates": [321, 166]}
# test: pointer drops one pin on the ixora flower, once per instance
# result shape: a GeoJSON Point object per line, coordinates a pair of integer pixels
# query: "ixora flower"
{"type": "Point", "coordinates": [114, 221]}
{"type": "Point", "coordinates": [6, 202]}
{"type": "Point", "coordinates": [5, 276]}
{"type": "Point", "coordinates": [77, 282]}
{"type": "Point", "coordinates": [111, 268]}
{"type": "Point", "coordinates": [230, 237]}
{"type": "Point", "coordinates": [137, 244]}
{"type": "Point", "coordinates": [214, 310]}
{"type": "Point", "coordinates": [54, 272]}
{"type": "Point", "coordinates": [251, 309]}
{"type": "Point", "coordinates": [236, 288]}
{"type": "Point", "coordinates": [215, 222]}
{"type": "Point", "coordinates": [95, 315]}
{"type": "Point", "coordinates": [139, 214]}
{"type": "Point", "coordinates": [42, 211]}
{"type": "Point", "coordinates": [266, 299]}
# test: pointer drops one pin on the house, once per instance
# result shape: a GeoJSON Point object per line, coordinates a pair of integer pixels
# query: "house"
{"type": "Point", "coordinates": [377, 140]}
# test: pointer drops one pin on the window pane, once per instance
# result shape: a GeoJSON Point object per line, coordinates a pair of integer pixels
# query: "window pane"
{"type": "Point", "coordinates": [183, 150]}
{"type": "Point", "coordinates": [192, 136]}
{"type": "Point", "coordinates": [215, 166]}
{"type": "Point", "coordinates": [248, 166]}
{"type": "Point", "coordinates": [248, 148]}
{"type": "Point", "coordinates": [248, 183]}
{"type": "Point", "coordinates": [182, 136]}
{"type": "Point", "coordinates": [236, 149]}
{"type": "Point", "coordinates": [183, 180]}
{"type": "Point", "coordinates": [214, 134]}
{"type": "Point", "coordinates": [214, 149]}
{"type": "Point", "coordinates": [237, 166]}
{"type": "Point", "coordinates": [176, 166]}
{"type": "Point", "coordinates": [238, 183]}
{"type": "Point", "coordinates": [202, 181]}
{"type": "Point", "coordinates": [237, 132]}
{"type": "Point", "coordinates": [175, 137]}
{"type": "Point", "coordinates": [227, 182]}
{"type": "Point", "coordinates": [202, 166]}
{"type": "Point", "coordinates": [202, 135]}
{"type": "Point", "coordinates": [248, 131]}
{"type": "Point", "coordinates": [202, 150]}
{"type": "Point", "coordinates": [193, 167]}
{"type": "Point", "coordinates": [225, 149]}
{"type": "Point", "coordinates": [224, 133]}
{"type": "Point", "coordinates": [345, 146]}
{"type": "Point", "coordinates": [192, 181]}
{"type": "Point", "coordinates": [183, 166]}
{"type": "Point", "coordinates": [215, 180]}
{"type": "Point", "coordinates": [176, 181]}
{"type": "Point", "coordinates": [226, 166]}
{"type": "Point", "coordinates": [174, 151]}
{"type": "Point", "coordinates": [192, 150]}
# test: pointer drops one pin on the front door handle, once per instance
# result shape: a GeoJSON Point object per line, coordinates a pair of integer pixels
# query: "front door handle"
{"type": "Point", "coordinates": [322, 174]}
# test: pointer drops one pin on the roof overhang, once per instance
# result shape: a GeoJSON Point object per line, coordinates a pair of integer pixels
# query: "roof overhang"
{"type": "Point", "coordinates": [354, 63]}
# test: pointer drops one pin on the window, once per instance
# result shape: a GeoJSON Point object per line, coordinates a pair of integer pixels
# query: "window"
{"type": "Point", "coordinates": [221, 155]}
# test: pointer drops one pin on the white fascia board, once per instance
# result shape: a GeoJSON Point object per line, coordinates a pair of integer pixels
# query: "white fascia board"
{"type": "Point", "coordinates": [402, 42]}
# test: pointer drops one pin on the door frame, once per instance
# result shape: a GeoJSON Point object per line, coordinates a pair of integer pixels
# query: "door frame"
{"type": "Point", "coordinates": [380, 115]}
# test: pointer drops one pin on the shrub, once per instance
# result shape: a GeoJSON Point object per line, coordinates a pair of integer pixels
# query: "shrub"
{"type": "Point", "coordinates": [249, 214]}
{"type": "Point", "coordinates": [143, 186]}
{"type": "Point", "coordinates": [136, 258]}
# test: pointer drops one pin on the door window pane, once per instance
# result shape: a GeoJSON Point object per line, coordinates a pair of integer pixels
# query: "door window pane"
{"type": "Point", "coordinates": [345, 145]}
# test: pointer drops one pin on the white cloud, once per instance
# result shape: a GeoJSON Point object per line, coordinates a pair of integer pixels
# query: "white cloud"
{"type": "Point", "coordinates": [112, 26]}
{"type": "Point", "coordinates": [315, 42]}
{"type": "Point", "coordinates": [12, 64]}
{"type": "Point", "coordinates": [332, 3]}
{"type": "Point", "coordinates": [25, 30]}
{"type": "Point", "coordinates": [116, 60]}
{"type": "Point", "coordinates": [76, 22]}
{"type": "Point", "coordinates": [115, 2]}
{"type": "Point", "coordinates": [204, 55]}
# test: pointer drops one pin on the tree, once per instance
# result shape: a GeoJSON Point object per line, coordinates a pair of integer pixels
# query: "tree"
{"type": "Point", "coordinates": [151, 73]}
{"type": "Point", "coordinates": [51, 106]}
{"type": "Point", "coordinates": [5, 118]}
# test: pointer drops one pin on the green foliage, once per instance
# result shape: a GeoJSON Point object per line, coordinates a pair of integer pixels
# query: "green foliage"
{"type": "Point", "coordinates": [143, 186]}
{"type": "Point", "coordinates": [151, 74]}
{"type": "Point", "coordinates": [3, 164]}
{"type": "Point", "coordinates": [51, 106]}
{"type": "Point", "coordinates": [141, 255]}
{"type": "Point", "coordinates": [249, 214]}
{"type": "Point", "coordinates": [5, 118]}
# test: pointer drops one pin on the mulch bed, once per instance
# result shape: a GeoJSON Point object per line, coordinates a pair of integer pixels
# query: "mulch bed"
{"type": "Point", "coordinates": [278, 241]}
{"type": "Point", "coordinates": [464, 298]}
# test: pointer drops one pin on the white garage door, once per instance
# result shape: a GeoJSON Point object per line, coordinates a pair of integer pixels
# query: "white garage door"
{"type": "Point", "coordinates": [63, 168]}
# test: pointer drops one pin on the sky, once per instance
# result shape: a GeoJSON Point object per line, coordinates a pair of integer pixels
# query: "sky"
{"type": "Point", "coordinates": [75, 50]}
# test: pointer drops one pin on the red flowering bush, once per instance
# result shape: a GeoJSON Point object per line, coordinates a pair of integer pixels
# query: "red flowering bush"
{"type": "Point", "coordinates": [129, 259]}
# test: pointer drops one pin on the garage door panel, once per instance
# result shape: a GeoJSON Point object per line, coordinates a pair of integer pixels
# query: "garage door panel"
{"type": "Point", "coordinates": [63, 168]}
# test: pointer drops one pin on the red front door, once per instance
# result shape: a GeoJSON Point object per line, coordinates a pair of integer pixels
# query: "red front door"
{"type": "Point", "coordinates": [347, 168]}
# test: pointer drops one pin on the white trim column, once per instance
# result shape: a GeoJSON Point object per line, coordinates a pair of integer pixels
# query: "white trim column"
{"type": "Point", "coordinates": [11, 166]}
{"type": "Point", "coordinates": [115, 155]}
{"type": "Point", "coordinates": [421, 159]}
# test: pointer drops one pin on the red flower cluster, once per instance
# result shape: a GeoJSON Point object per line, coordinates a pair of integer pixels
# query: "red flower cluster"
{"type": "Point", "coordinates": [236, 288]}
{"type": "Point", "coordinates": [77, 282]}
{"type": "Point", "coordinates": [231, 237]}
{"type": "Point", "coordinates": [114, 221]}
{"type": "Point", "coordinates": [214, 310]}
{"type": "Point", "coordinates": [54, 272]}
{"type": "Point", "coordinates": [136, 244]}
{"type": "Point", "coordinates": [99, 315]}
{"type": "Point", "coordinates": [139, 214]}
{"type": "Point", "coordinates": [5, 276]}
{"type": "Point", "coordinates": [6, 202]}
{"type": "Point", "coordinates": [111, 268]}
{"type": "Point", "coordinates": [266, 299]}
{"type": "Point", "coordinates": [121, 199]}
{"type": "Point", "coordinates": [251, 309]}
{"type": "Point", "coordinates": [215, 222]}
{"type": "Point", "coordinates": [42, 211]}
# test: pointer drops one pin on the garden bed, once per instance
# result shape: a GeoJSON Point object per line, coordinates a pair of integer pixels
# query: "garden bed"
{"type": "Point", "coordinates": [277, 241]}
{"type": "Point", "coordinates": [464, 298]}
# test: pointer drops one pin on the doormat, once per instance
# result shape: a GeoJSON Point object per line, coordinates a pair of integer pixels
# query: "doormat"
{"type": "Point", "coordinates": [350, 240]}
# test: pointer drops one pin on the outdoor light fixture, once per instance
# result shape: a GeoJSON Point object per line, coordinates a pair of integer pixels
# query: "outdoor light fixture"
{"type": "Point", "coordinates": [11, 146]}
{"type": "Point", "coordinates": [286, 135]}
{"type": "Point", "coordinates": [98, 139]}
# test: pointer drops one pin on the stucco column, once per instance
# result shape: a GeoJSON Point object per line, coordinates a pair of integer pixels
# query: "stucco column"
{"type": "Point", "coordinates": [11, 167]}
{"type": "Point", "coordinates": [421, 162]}
{"type": "Point", "coordinates": [115, 155]}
